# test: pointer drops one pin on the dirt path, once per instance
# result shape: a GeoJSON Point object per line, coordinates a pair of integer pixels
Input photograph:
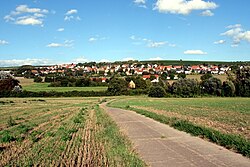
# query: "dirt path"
{"type": "Point", "coordinates": [161, 145]}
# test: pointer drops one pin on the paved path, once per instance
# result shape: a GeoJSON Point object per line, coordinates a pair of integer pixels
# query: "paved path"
{"type": "Point", "coordinates": [160, 145]}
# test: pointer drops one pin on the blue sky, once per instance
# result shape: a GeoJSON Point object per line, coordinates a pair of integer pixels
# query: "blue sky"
{"type": "Point", "coordinates": [66, 31]}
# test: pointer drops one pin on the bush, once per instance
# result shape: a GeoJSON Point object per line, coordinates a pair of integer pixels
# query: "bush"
{"type": "Point", "coordinates": [157, 91]}
{"type": "Point", "coordinates": [38, 79]}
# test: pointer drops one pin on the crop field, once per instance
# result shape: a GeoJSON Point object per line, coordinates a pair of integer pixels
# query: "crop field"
{"type": "Point", "coordinates": [227, 115]}
{"type": "Point", "coordinates": [61, 132]}
{"type": "Point", "coordinates": [30, 85]}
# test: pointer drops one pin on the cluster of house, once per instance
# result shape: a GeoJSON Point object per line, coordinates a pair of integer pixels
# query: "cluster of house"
{"type": "Point", "coordinates": [132, 69]}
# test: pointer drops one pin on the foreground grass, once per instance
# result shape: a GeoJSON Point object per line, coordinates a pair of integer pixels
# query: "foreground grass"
{"type": "Point", "coordinates": [37, 87]}
{"type": "Point", "coordinates": [60, 132]}
{"type": "Point", "coordinates": [117, 146]}
{"type": "Point", "coordinates": [187, 115]}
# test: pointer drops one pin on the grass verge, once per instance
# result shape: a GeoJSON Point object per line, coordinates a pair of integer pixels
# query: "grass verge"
{"type": "Point", "coordinates": [118, 148]}
{"type": "Point", "coordinates": [229, 141]}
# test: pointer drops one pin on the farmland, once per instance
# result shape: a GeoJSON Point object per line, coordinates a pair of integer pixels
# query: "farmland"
{"type": "Point", "coordinates": [61, 132]}
{"type": "Point", "coordinates": [227, 115]}
{"type": "Point", "coordinates": [29, 85]}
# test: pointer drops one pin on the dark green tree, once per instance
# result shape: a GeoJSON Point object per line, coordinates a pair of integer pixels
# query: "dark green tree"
{"type": "Point", "coordinates": [117, 86]}
{"type": "Point", "coordinates": [206, 76]}
{"type": "Point", "coordinates": [228, 89]}
{"type": "Point", "coordinates": [186, 87]}
{"type": "Point", "coordinates": [156, 91]}
{"type": "Point", "coordinates": [212, 86]}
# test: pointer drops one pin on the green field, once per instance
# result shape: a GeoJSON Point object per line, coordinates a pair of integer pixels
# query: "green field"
{"type": "Point", "coordinates": [36, 87]}
{"type": "Point", "coordinates": [61, 132]}
{"type": "Point", "coordinates": [228, 115]}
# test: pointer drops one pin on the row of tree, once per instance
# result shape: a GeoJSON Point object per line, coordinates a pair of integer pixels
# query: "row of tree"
{"type": "Point", "coordinates": [209, 85]}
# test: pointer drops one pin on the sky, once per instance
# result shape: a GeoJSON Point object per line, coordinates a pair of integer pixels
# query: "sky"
{"type": "Point", "coordinates": [39, 32]}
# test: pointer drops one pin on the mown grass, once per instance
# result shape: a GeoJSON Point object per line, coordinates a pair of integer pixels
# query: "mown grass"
{"type": "Point", "coordinates": [37, 87]}
{"type": "Point", "coordinates": [236, 142]}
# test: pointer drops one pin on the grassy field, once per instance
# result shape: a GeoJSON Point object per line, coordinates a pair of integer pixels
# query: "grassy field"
{"type": "Point", "coordinates": [30, 85]}
{"type": "Point", "coordinates": [227, 115]}
{"type": "Point", "coordinates": [61, 132]}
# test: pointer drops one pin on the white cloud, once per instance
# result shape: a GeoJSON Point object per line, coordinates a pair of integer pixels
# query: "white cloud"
{"type": "Point", "coordinates": [25, 9]}
{"type": "Point", "coordinates": [81, 59]}
{"type": "Point", "coordinates": [97, 38]}
{"type": "Point", "coordinates": [183, 6]}
{"type": "Point", "coordinates": [69, 18]}
{"type": "Point", "coordinates": [29, 21]}
{"type": "Point", "coordinates": [72, 11]}
{"type": "Point", "coordinates": [149, 43]}
{"type": "Point", "coordinates": [71, 15]}
{"type": "Point", "coordinates": [54, 45]}
{"type": "Point", "coordinates": [234, 45]}
{"type": "Point", "coordinates": [128, 59]}
{"type": "Point", "coordinates": [67, 43]}
{"type": "Point", "coordinates": [3, 42]}
{"type": "Point", "coordinates": [195, 52]}
{"type": "Point", "coordinates": [156, 58]}
{"type": "Point", "coordinates": [220, 41]}
{"type": "Point", "coordinates": [92, 39]}
{"type": "Point", "coordinates": [140, 3]}
{"type": "Point", "coordinates": [207, 13]}
{"type": "Point", "coordinates": [60, 29]}
{"type": "Point", "coordinates": [156, 44]}
{"type": "Point", "coordinates": [237, 33]}
{"type": "Point", "coordinates": [23, 15]}
{"type": "Point", "coordinates": [16, 62]}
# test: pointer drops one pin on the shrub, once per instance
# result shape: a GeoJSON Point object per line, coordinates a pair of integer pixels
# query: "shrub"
{"type": "Point", "coordinates": [38, 79]}
{"type": "Point", "coordinates": [157, 91]}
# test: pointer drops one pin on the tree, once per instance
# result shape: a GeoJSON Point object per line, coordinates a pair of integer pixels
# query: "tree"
{"type": "Point", "coordinates": [38, 79]}
{"type": "Point", "coordinates": [156, 91]}
{"type": "Point", "coordinates": [182, 75]}
{"type": "Point", "coordinates": [117, 86]}
{"type": "Point", "coordinates": [8, 84]}
{"type": "Point", "coordinates": [212, 86]}
{"type": "Point", "coordinates": [171, 76]}
{"type": "Point", "coordinates": [206, 76]}
{"type": "Point", "coordinates": [140, 83]}
{"type": "Point", "coordinates": [164, 75]}
{"type": "Point", "coordinates": [228, 88]}
{"type": "Point", "coordinates": [186, 87]}
{"type": "Point", "coordinates": [242, 82]}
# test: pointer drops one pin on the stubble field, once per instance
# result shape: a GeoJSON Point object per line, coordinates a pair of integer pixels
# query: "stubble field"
{"type": "Point", "coordinates": [61, 132]}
